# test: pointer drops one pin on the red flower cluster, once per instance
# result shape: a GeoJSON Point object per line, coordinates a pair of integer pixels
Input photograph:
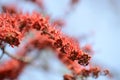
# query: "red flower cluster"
{"type": "Point", "coordinates": [16, 26]}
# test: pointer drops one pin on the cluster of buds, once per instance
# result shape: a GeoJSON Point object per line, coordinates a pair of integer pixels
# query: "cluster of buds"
{"type": "Point", "coordinates": [15, 26]}
{"type": "Point", "coordinates": [85, 73]}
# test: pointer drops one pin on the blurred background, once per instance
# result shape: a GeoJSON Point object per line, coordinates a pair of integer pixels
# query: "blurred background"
{"type": "Point", "coordinates": [97, 22]}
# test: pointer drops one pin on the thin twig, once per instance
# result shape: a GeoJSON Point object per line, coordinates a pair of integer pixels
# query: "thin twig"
{"type": "Point", "coordinates": [2, 48]}
{"type": "Point", "coordinates": [23, 59]}
{"type": "Point", "coordinates": [19, 58]}
{"type": "Point", "coordinates": [1, 55]}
